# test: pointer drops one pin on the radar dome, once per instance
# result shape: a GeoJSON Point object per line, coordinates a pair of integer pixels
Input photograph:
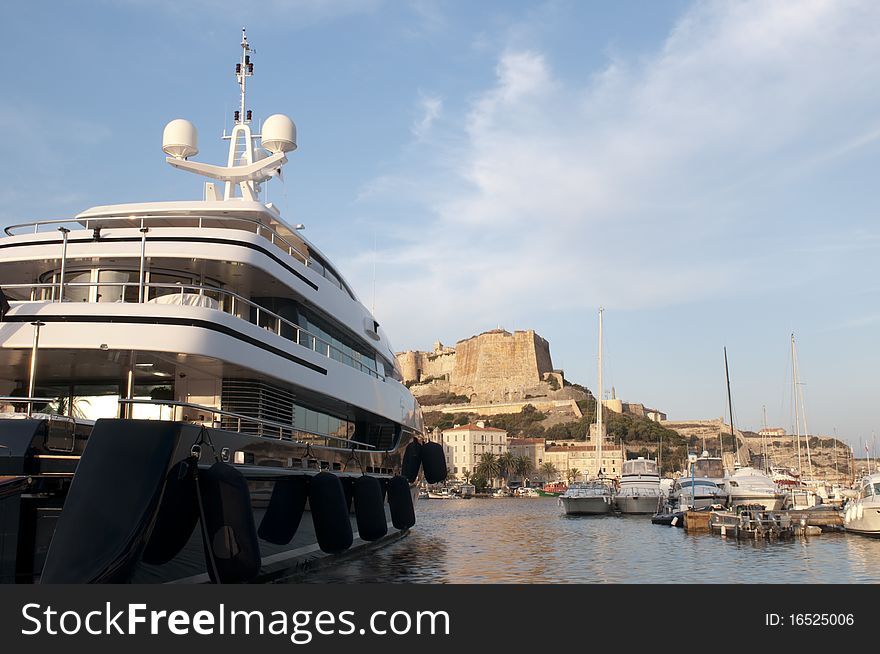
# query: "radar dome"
{"type": "Point", "coordinates": [279, 134]}
{"type": "Point", "coordinates": [180, 139]}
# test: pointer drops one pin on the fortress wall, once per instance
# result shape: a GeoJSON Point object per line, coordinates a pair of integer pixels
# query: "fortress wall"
{"type": "Point", "coordinates": [500, 360]}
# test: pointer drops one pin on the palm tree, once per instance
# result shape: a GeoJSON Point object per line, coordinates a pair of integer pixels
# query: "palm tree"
{"type": "Point", "coordinates": [572, 474]}
{"type": "Point", "coordinates": [507, 464]}
{"type": "Point", "coordinates": [549, 472]}
{"type": "Point", "coordinates": [523, 466]}
{"type": "Point", "coordinates": [72, 406]}
{"type": "Point", "coordinates": [467, 475]}
{"type": "Point", "coordinates": [488, 467]}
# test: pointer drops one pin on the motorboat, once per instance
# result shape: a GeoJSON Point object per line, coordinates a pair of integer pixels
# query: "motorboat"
{"type": "Point", "coordinates": [155, 354]}
{"type": "Point", "coordinates": [697, 492]}
{"type": "Point", "coordinates": [862, 515]}
{"type": "Point", "coordinates": [588, 498]}
{"type": "Point", "coordinates": [750, 486]}
{"type": "Point", "coordinates": [639, 490]}
{"type": "Point", "coordinates": [553, 489]}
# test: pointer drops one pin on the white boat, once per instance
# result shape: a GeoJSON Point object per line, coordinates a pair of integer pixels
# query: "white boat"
{"type": "Point", "coordinates": [467, 491]}
{"type": "Point", "coordinates": [862, 515]}
{"type": "Point", "coordinates": [750, 486]}
{"type": "Point", "coordinates": [639, 490]}
{"type": "Point", "coordinates": [173, 335]}
{"type": "Point", "coordinates": [698, 493]}
{"type": "Point", "coordinates": [708, 467]}
{"type": "Point", "coordinates": [594, 497]}
{"type": "Point", "coordinates": [525, 491]}
{"type": "Point", "coordinates": [588, 498]}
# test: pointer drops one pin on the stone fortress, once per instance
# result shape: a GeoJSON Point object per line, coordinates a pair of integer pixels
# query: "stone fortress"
{"type": "Point", "coordinates": [496, 366]}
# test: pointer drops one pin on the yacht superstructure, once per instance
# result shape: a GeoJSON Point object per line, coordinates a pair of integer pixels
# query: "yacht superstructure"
{"type": "Point", "coordinates": [639, 490]}
{"type": "Point", "coordinates": [749, 486]}
{"type": "Point", "coordinates": [215, 314]}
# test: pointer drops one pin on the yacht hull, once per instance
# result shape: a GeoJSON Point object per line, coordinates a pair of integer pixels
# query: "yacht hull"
{"type": "Point", "coordinates": [76, 514]}
{"type": "Point", "coordinates": [598, 505]}
{"type": "Point", "coordinates": [637, 504]}
{"type": "Point", "coordinates": [863, 517]}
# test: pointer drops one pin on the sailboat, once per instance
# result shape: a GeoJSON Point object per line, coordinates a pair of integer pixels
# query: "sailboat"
{"type": "Point", "coordinates": [748, 486]}
{"type": "Point", "coordinates": [804, 495]}
{"type": "Point", "coordinates": [595, 496]}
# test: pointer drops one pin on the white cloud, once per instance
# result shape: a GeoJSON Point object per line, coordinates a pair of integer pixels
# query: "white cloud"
{"type": "Point", "coordinates": [430, 107]}
{"type": "Point", "coordinates": [632, 190]}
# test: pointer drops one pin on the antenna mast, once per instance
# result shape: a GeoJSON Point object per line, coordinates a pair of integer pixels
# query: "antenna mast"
{"type": "Point", "coordinates": [243, 70]}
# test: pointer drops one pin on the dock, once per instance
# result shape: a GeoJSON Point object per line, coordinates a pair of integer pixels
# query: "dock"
{"type": "Point", "coordinates": [772, 525]}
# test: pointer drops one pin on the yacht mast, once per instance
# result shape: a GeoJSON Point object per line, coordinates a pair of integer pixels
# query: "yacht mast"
{"type": "Point", "coordinates": [600, 436]}
{"type": "Point", "coordinates": [730, 408]}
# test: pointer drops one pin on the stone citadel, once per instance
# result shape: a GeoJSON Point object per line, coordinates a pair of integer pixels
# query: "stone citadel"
{"type": "Point", "coordinates": [495, 366]}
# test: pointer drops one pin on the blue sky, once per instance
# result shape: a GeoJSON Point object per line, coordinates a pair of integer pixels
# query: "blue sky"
{"type": "Point", "coordinates": [705, 171]}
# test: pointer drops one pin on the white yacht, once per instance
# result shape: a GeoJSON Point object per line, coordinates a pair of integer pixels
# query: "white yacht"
{"type": "Point", "coordinates": [595, 497]}
{"type": "Point", "coordinates": [746, 486]}
{"type": "Point", "coordinates": [862, 515]}
{"type": "Point", "coordinates": [639, 490]}
{"type": "Point", "coordinates": [696, 492]}
{"type": "Point", "coordinates": [171, 338]}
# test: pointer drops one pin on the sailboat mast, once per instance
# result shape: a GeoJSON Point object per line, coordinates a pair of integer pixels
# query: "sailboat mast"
{"type": "Point", "coordinates": [794, 394]}
{"type": "Point", "coordinates": [800, 391]}
{"type": "Point", "coordinates": [764, 441]}
{"type": "Point", "coordinates": [730, 408]}
{"type": "Point", "coordinates": [600, 436]}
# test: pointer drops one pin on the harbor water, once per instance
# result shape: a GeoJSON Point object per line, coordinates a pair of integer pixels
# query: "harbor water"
{"type": "Point", "coordinates": [530, 540]}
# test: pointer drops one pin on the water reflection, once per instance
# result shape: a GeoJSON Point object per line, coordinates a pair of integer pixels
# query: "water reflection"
{"type": "Point", "coordinates": [531, 541]}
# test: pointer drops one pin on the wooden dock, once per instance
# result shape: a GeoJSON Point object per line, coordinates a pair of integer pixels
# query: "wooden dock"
{"type": "Point", "coordinates": [773, 525]}
{"type": "Point", "coordinates": [696, 520]}
{"type": "Point", "coordinates": [827, 519]}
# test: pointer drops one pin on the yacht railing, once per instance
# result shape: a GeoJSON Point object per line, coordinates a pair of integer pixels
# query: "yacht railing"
{"type": "Point", "coordinates": [29, 401]}
{"type": "Point", "coordinates": [266, 428]}
{"type": "Point", "coordinates": [199, 222]}
{"type": "Point", "coordinates": [227, 301]}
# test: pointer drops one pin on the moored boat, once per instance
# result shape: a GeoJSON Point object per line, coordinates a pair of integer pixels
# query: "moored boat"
{"type": "Point", "coordinates": [862, 515]}
{"type": "Point", "coordinates": [749, 486]}
{"type": "Point", "coordinates": [639, 491]}
{"type": "Point", "coordinates": [155, 354]}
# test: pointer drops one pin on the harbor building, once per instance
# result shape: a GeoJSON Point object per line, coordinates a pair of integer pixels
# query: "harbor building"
{"type": "Point", "coordinates": [465, 444]}
{"type": "Point", "coordinates": [530, 448]}
{"type": "Point", "coordinates": [582, 456]}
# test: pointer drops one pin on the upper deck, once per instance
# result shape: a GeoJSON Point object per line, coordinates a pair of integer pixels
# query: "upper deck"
{"type": "Point", "coordinates": [264, 220]}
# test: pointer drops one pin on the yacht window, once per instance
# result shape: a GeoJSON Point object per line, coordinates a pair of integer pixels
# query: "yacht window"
{"type": "Point", "coordinates": [112, 289]}
{"type": "Point", "coordinates": [74, 293]}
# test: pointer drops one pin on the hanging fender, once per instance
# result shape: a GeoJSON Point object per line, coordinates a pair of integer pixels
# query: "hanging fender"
{"type": "Point", "coordinates": [285, 510]}
{"type": "Point", "coordinates": [369, 508]}
{"type": "Point", "coordinates": [330, 513]}
{"type": "Point", "coordinates": [400, 502]}
{"type": "Point", "coordinates": [433, 462]}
